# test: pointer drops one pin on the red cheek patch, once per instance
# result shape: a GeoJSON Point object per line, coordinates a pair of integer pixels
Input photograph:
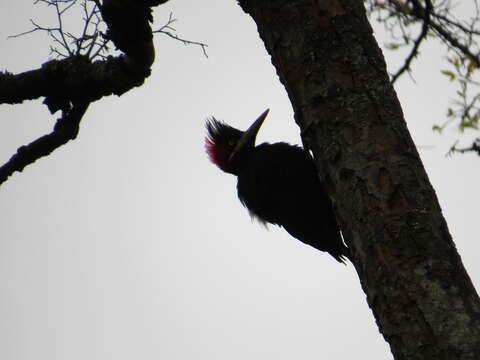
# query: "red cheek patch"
{"type": "Point", "coordinates": [214, 151]}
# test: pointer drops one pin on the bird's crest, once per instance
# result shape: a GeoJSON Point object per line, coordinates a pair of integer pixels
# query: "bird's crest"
{"type": "Point", "coordinates": [220, 141]}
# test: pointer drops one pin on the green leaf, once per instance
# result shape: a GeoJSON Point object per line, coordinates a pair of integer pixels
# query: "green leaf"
{"type": "Point", "coordinates": [471, 66]}
{"type": "Point", "coordinates": [437, 128]}
{"type": "Point", "coordinates": [392, 46]}
{"type": "Point", "coordinates": [449, 74]}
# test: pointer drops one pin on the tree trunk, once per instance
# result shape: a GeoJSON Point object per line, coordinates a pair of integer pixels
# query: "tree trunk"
{"type": "Point", "coordinates": [335, 75]}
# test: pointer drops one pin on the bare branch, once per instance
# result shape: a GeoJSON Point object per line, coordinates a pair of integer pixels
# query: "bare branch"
{"type": "Point", "coordinates": [66, 129]}
{"type": "Point", "coordinates": [73, 82]}
{"type": "Point", "coordinates": [418, 41]}
{"type": "Point", "coordinates": [84, 43]}
{"type": "Point", "coordinates": [451, 40]}
{"type": "Point", "coordinates": [60, 26]}
{"type": "Point", "coordinates": [475, 147]}
{"type": "Point", "coordinates": [170, 31]}
{"type": "Point", "coordinates": [459, 36]}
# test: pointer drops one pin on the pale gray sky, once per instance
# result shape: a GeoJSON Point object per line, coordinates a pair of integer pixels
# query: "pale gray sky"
{"type": "Point", "coordinates": [128, 244]}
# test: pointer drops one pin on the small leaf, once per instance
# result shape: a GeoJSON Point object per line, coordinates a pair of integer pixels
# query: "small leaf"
{"type": "Point", "coordinates": [471, 66]}
{"type": "Point", "coordinates": [468, 124]}
{"type": "Point", "coordinates": [392, 46]}
{"type": "Point", "coordinates": [449, 74]}
{"type": "Point", "coordinates": [437, 128]}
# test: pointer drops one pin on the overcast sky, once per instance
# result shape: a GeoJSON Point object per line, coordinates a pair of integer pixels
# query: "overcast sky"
{"type": "Point", "coordinates": [128, 244]}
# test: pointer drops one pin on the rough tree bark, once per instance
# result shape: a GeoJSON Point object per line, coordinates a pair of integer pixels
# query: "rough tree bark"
{"type": "Point", "coordinates": [326, 56]}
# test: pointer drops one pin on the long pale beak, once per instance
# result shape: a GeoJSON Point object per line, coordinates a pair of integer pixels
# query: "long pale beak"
{"type": "Point", "coordinates": [248, 137]}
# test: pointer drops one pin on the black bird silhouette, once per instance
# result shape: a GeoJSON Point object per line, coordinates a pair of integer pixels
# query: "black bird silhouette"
{"type": "Point", "coordinates": [278, 184]}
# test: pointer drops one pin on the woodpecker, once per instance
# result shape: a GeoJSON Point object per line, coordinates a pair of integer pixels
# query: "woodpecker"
{"type": "Point", "coordinates": [278, 184]}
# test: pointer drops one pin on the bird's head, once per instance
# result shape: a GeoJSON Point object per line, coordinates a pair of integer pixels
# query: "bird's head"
{"type": "Point", "coordinates": [227, 146]}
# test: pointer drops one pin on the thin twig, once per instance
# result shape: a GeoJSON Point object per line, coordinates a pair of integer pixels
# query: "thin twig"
{"type": "Point", "coordinates": [85, 43]}
{"type": "Point", "coordinates": [60, 25]}
{"type": "Point", "coordinates": [416, 44]}
{"type": "Point", "coordinates": [170, 31]}
{"type": "Point", "coordinates": [475, 147]}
